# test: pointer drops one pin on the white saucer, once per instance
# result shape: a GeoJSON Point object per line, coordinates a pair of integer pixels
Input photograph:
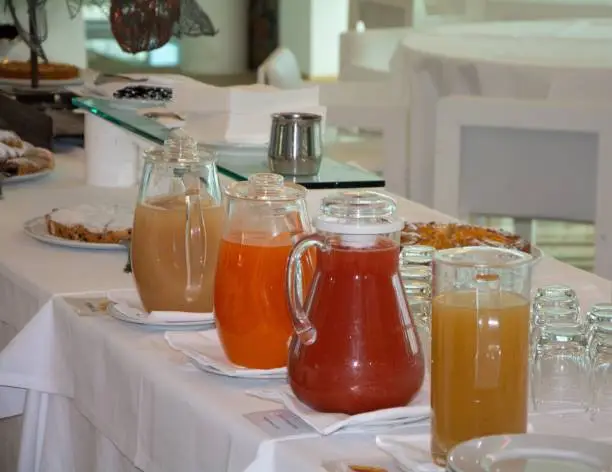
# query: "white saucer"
{"type": "Point", "coordinates": [530, 453]}
{"type": "Point", "coordinates": [112, 310]}
{"type": "Point", "coordinates": [126, 306]}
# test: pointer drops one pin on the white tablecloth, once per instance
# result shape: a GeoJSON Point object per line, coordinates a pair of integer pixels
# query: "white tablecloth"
{"type": "Point", "coordinates": [117, 397]}
{"type": "Point", "coordinates": [547, 60]}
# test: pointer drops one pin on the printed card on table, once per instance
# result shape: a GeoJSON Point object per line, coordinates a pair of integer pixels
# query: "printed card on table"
{"type": "Point", "coordinates": [279, 423]}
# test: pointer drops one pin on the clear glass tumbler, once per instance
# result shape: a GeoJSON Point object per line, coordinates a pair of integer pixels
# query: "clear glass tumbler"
{"type": "Point", "coordinates": [600, 348]}
{"type": "Point", "coordinates": [560, 369]}
{"type": "Point", "coordinates": [555, 303]}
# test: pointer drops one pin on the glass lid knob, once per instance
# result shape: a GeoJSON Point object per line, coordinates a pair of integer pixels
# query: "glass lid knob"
{"type": "Point", "coordinates": [180, 147]}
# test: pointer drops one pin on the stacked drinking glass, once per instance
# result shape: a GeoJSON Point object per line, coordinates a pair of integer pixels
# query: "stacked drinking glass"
{"type": "Point", "coordinates": [571, 355]}
{"type": "Point", "coordinates": [416, 272]}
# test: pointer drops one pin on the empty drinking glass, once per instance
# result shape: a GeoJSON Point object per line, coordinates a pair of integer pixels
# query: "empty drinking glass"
{"type": "Point", "coordinates": [555, 304]}
{"type": "Point", "coordinates": [560, 368]}
{"type": "Point", "coordinates": [416, 274]}
{"type": "Point", "coordinates": [600, 349]}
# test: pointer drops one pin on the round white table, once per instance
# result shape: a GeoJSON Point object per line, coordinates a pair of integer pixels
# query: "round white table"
{"type": "Point", "coordinates": [536, 60]}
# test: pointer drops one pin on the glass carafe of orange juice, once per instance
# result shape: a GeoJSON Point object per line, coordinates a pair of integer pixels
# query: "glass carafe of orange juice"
{"type": "Point", "coordinates": [479, 345]}
{"type": "Point", "coordinates": [265, 217]}
{"type": "Point", "coordinates": [177, 228]}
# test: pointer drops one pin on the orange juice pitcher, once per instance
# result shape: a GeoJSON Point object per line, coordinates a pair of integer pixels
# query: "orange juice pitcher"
{"type": "Point", "coordinates": [479, 345]}
{"type": "Point", "coordinates": [265, 217]}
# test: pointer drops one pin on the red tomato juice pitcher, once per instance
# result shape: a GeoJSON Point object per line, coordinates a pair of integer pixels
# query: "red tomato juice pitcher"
{"type": "Point", "coordinates": [355, 347]}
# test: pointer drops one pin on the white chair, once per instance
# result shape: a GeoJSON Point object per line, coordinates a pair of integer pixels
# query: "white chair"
{"type": "Point", "coordinates": [500, 10]}
{"type": "Point", "coordinates": [362, 105]}
{"type": "Point", "coordinates": [281, 70]}
{"type": "Point", "coordinates": [365, 55]}
{"type": "Point", "coordinates": [526, 159]}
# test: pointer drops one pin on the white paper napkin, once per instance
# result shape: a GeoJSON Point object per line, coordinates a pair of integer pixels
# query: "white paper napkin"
{"type": "Point", "coordinates": [238, 128]}
{"type": "Point", "coordinates": [205, 351]}
{"type": "Point", "coordinates": [244, 99]}
{"type": "Point", "coordinates": [328, 423]}
{"type": "Point", "coordinates": [127, 302]}
{"type": "Point", "coordinates": [411, 452]}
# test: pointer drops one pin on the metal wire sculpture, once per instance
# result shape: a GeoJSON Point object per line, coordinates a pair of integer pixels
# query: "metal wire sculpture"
{"type": "Point", "coordinates": [36, 31]}
{"type": "Point", "coordinates": [145, 25]}
{"type": "Point", "coordinates": [137, 25]}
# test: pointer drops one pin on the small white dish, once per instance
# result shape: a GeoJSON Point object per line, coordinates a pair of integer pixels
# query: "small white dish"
{"type": "Point", "coordinates": [530, 453]}
{"type": "Point", "coordinates": [126, 306]}
{"type": "Point", "coordinates": [27, 177]}
{"type": "Point", "coordinates": [204, 350]}
{"type": "Point", "coordinates": [37, 228]}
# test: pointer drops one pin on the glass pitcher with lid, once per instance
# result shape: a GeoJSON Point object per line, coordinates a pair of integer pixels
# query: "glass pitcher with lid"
{"type": "Point", "coordinates": [480, 327]}
{"type": "Point", "coordinates": [355, 347]}
{"type": "Point", "coordinates": [177, 227]}
{"type": "Point", "coordinates": [265, 217]}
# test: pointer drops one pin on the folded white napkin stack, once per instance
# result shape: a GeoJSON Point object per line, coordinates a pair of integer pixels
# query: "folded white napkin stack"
{"type": "Point", "coordinates": [243, 128]}
{"type": "Point", "coordinates": [204, 350]}
{"type": "Point", "coordinates": [257, 98]}
{"type": "Point", "coordinates": [411, 452]}
{"type": "Point", "coordinates": [241, 114]}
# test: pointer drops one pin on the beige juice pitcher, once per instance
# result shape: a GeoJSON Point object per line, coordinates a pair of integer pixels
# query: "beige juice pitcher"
{"type": "Point", "coordinates": [177, 227]}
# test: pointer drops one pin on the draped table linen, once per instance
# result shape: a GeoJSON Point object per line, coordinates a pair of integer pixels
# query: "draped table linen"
{"type": "Point", "coordinates": [105, 395]}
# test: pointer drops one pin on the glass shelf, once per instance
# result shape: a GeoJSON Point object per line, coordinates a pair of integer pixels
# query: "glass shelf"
{"type": "Point", "coordinates": [333, 174]}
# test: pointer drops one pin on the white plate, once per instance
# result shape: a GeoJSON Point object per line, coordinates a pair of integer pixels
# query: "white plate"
{"type": "Point", "coordinates": [24, 83]}
{"type": "Point", "coordinates": [26, 177]}
{"type": "Point", "coordinates": [531, 453]}
{"type": "Point", "coordinates": [37, 229]}
{"type": "Point", "coordinates": [196, 325]}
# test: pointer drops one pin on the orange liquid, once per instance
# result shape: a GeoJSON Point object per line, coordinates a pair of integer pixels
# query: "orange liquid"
{"type": "Point", "coordinates": [251, 307]}
{"type": "Point", "coordinates": [479, 368]}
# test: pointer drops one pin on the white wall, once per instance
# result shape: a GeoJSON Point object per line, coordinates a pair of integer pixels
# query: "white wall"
{"type": "Point", "coordinates": [311, 29]}
{"type": "Point", "coordinates": [328, 20]}
{"type": "Point", "coordinates": [66, 41]}
{"type": "Point", "coordinates": [225, 53]}
{"type": "Point", "coordinates": [294, 22]}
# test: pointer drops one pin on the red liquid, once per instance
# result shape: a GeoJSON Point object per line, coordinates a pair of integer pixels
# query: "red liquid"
{"type": "Point", "coordinates": [367, 355]}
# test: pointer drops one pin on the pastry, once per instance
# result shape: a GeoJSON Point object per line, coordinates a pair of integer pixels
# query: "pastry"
{"type": "Point", "coordinates": [445, 236]}
{"type": "Point", "coordinates": [30, 161]}
{"type": "Point", "coordinates": [49, 71]}
{"type": "Point", "coordinates": [106, 224]}
{"type": "Point", "coordinates": [11, 145]}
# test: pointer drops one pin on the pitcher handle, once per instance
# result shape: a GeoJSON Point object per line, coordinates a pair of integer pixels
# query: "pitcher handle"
{"type": "Point", "coordinates": [306, 332]}
{"type": "Point", "coordinates": [195, 240]}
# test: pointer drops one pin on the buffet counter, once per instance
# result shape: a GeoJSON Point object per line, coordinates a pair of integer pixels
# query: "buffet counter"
{"type": "Point", "coordinates": [107, 395]}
